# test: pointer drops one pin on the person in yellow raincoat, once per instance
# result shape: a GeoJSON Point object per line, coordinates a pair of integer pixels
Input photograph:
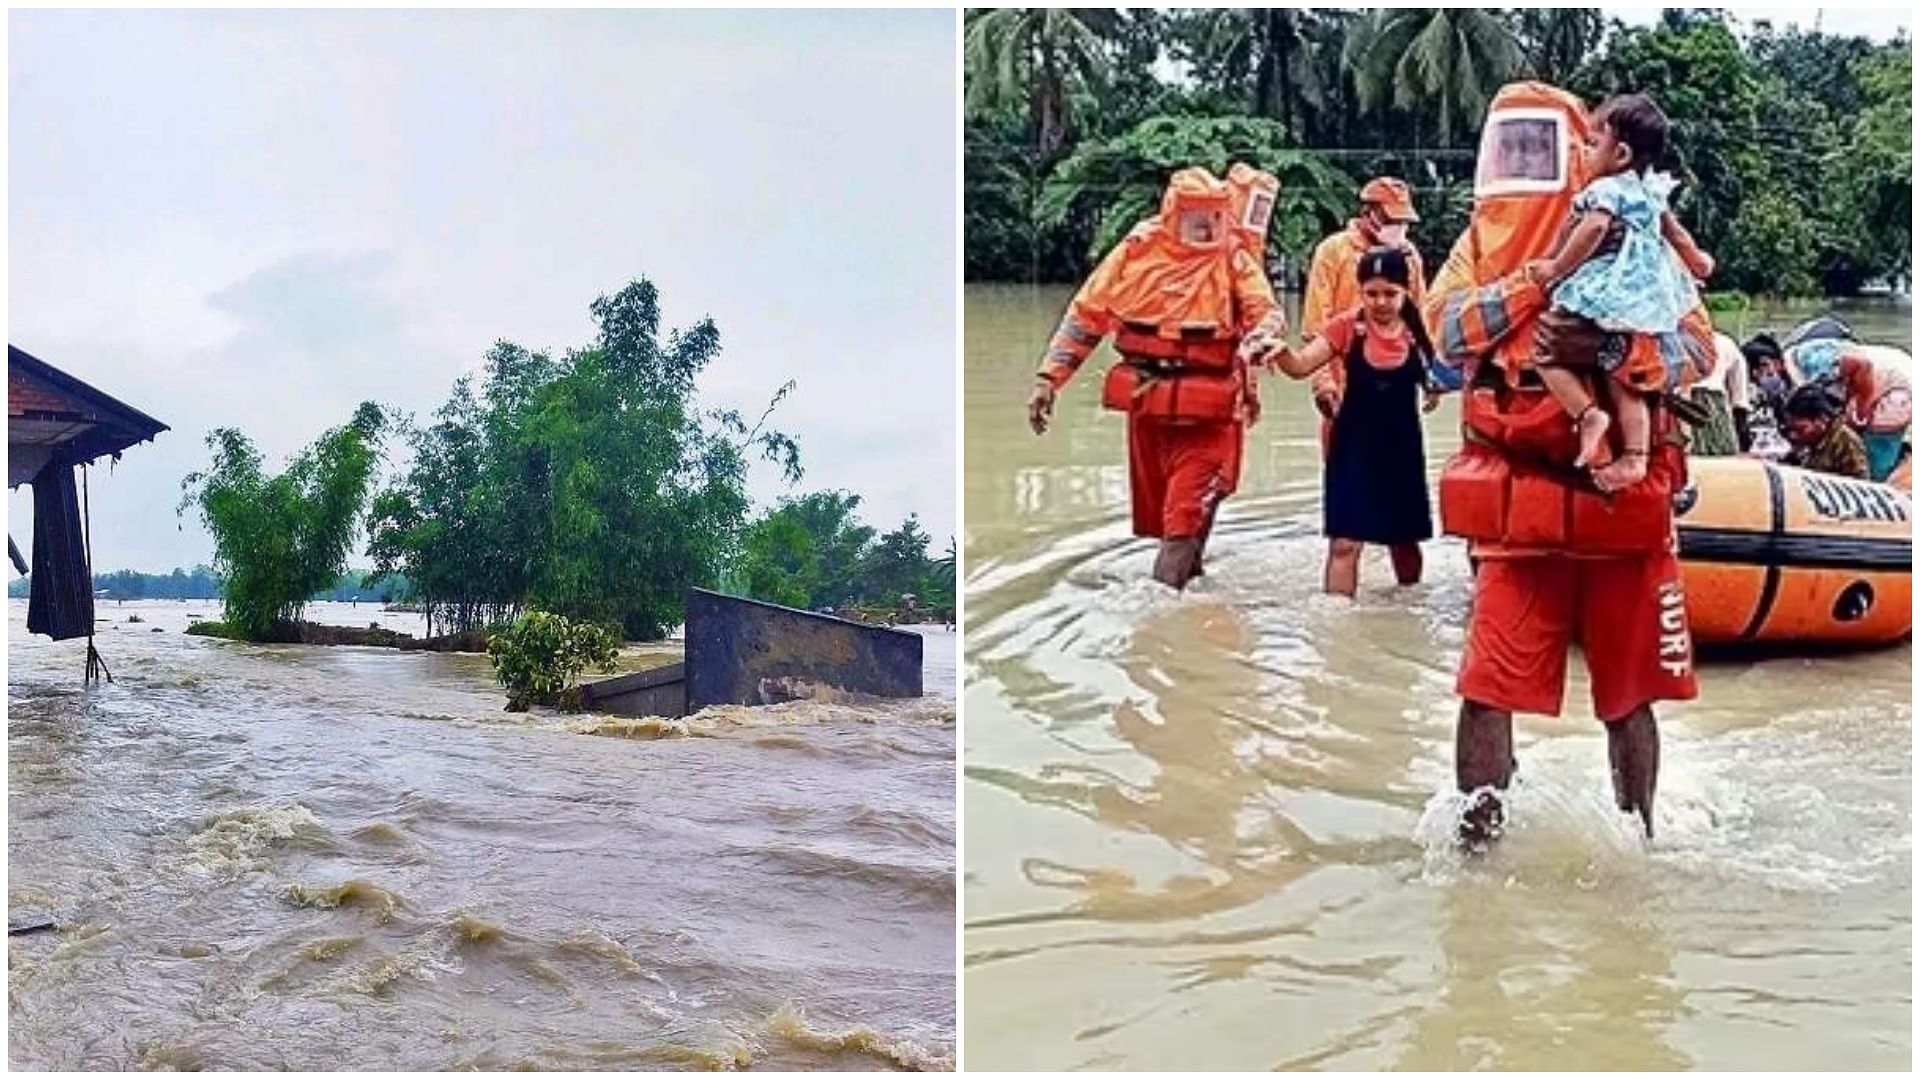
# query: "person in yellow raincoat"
{"type": "Point", "coordinates": [1558, 564]}
{"type": "Point", "coordinates": [1176, 295]}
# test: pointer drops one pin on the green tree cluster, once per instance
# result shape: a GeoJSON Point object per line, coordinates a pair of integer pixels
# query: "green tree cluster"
{"type": "Point", "coordinates": [588, 485]}
{"type": "Point", "coordinates": [1794, 147]}
{"type": "Point", "coordinates": [281, 538]}
{"type": "Point", "coordinates": [814, 552]}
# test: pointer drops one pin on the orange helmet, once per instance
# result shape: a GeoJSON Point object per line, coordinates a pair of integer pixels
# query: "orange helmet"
{"type": "Point", "coordinates": [1197, 209]}
{"type": "Point", "coordinates": [1391, 196]}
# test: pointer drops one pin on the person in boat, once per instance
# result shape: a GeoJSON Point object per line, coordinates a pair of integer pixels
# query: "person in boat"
{"type": "Point", "coordinates": [1560, 563]}
{"type": "Point", "coordinates": [1375, 481]}
{"type": "Point", "coordinates": [1724, 395]}
{"type": "Point", "coordinates": [1615, 273]}
{"type": "Point", "coordinates": [1176, 294]}
{"type": "Point", "coordinates": [1386, 212]}
{"type": "Point", "coordinates": [1769, 385]}
{"type": "Point", "coordinates": [1822, 441]}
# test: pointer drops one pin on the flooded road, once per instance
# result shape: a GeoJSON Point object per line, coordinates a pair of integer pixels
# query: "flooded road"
{"type": "Point", "coordinates": [1212, 831]}
{"type": "Point", "coordinates": [270, 857]}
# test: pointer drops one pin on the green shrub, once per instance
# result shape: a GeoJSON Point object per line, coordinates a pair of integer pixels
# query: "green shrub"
{"type": "Point", "coordinates": [210, 628]}
{"type": "Point", "coordinates": [1733, 300]}
{"type": "Point", "coordinates": [539, 658]}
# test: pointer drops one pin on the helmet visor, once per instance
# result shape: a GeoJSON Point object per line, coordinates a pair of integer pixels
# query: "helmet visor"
{"type": "Point", "coordinates": [1523, 150]}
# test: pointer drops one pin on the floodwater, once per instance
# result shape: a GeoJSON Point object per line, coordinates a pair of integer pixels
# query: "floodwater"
{"type": "Point", "coordinates": [1212, 831]}
{"type": "Point", "coordinates": [268, 857]}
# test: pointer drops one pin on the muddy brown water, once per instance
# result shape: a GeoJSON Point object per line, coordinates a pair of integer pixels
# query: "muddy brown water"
{"type": "Point", "coordinates": [1211, 831]}
{"type": "Point", "coordinates": [351, 858]}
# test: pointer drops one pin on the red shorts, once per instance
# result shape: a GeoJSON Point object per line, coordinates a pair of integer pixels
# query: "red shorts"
{"type": "Point", "coordinates": [1628, 615]}
{"type": "Point", "coordinates": [1178, 473]}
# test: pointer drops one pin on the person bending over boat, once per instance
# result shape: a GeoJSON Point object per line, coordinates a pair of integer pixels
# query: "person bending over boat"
{"type": "Point", "coordinates": [1177, 295]}
{"type": "Point", "coordinates": [1822, 442]}
{"type": "Point", "coordinates": [1375, 482]}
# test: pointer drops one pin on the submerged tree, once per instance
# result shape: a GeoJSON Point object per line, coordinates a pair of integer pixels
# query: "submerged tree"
{"type": "Point", "coordinates": [280, 539]}
{"type": "Point", "coordinates": [589, 485]}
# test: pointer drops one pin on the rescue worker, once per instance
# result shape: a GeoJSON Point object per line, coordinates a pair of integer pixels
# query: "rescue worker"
{"type": "Point", "coordinates": [1821, 441]}
{"type": "Point", "coordinates": [1559, 564]}
{"type": "Point", "coordinates": [1386, 211]}
{"type": "Point", "coordinates": [1177, 295]}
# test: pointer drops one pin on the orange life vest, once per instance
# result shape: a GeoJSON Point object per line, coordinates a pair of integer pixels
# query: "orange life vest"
{"type": "Point", "coordinates": [1513, 483]}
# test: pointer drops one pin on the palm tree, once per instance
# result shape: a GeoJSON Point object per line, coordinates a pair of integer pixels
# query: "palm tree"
{"type": "Point", "coordinates": [1276, 45]}
{"type": "Point", "coordinates": [1028, 56]}
{"type": "Point", "coordinates": [1557, 40]}
{"type": "Point", "coordinates": [1446, 62]}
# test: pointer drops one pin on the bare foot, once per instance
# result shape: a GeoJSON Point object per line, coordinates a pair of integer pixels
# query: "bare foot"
{"type": "Point", "coordinates": [1592, 425]}
{"type": "Point", "coordinates": [1621, 473]}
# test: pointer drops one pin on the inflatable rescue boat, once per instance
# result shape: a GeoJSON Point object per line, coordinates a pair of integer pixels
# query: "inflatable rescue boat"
{"type": "Point", "coordinates": [1771, 554]}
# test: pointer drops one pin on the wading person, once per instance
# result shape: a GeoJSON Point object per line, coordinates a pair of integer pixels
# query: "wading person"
{"type": "Point", "coordinates": [1560, 564]}
{"type": "Point", "coordinates": [1177, 295]}
{"type": "Point", "coordinates": [1375, 482]}
{"type": "Point", "coordinates": [1386, 210]}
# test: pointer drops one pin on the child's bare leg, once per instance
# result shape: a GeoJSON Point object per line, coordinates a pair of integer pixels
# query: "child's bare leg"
{"type": "Point", "coordinates": [1569, 388]}
{"type": "Point", "coordinates": [1636, 433]}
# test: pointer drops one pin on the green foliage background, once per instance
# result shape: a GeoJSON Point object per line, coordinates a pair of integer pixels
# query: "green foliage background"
{"type": "Point", "coordinates": [1794, 147]}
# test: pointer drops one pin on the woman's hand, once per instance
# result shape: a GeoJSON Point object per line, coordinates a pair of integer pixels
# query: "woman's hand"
{"type": "Point", "coordinates": [1429, 400]}
{"type": "Point", "coordinates": [1040, 406]}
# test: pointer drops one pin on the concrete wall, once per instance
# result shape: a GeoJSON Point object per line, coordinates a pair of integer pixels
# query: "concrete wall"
{"type": "Point", "coordinates": [737, 647]}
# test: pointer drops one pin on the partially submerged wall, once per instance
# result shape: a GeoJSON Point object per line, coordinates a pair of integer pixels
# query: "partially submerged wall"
{"type": "Point", "coordinates": [743, 651]}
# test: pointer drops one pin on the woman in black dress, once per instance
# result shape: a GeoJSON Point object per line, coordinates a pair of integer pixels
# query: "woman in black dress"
{"type": "Point", "coordinates": [1376, 471]}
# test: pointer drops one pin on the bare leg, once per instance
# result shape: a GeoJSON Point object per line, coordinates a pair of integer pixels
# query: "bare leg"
{"type": "Point", "coordinates": [1174, 566]}
{"type": "Point", "coordinates": [1343, 567]}
{"type": "Point", "coordinates": [1482, 758]}
{"type": "Point", "coordinates": [1407, 563]}
{"type": "Point", "coordinates": [1636, 432]}
{"type": "Point", "coordinates": [1206, 534]}
{"type": "Point", "coordinates": [1633, 746]}
{"type": "Point", "coordinates": [1569, 388]}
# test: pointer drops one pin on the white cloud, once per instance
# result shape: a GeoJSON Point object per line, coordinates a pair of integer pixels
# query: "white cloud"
{"type": "Point", "coordinates": [260, 218]}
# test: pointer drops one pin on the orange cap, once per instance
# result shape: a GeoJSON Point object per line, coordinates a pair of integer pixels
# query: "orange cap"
{"type": "Point", "coordinates": [1391, 196]}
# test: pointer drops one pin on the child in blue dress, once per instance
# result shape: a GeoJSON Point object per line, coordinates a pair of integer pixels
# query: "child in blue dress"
{"type": "Point", "coordinates": [1616, 270]}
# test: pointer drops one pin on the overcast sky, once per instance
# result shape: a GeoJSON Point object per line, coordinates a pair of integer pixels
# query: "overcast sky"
{"type": "Point", "coordinates": [1880, 24]}
{"type": "Point", "coordinates": [259, 219]}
